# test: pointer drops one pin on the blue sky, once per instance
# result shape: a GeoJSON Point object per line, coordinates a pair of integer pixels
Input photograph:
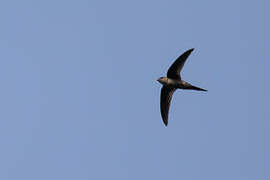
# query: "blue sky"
{"type": "Point", "coordinates": [80, 100]}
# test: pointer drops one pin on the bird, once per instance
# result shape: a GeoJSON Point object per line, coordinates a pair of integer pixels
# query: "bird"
{"type": "Point", "coordinates": [172, 82]}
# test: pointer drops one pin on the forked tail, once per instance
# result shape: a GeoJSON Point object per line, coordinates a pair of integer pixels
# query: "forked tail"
{"type": "Point", "coordinates": [197, 88]}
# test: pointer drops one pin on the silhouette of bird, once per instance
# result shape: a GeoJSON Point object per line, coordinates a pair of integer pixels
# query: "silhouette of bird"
{"type": "Point", "coordinates": [172, 82]}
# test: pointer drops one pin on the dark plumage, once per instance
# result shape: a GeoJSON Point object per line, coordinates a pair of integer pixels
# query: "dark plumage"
{"type": "Point", "coordinates": [172, 82]}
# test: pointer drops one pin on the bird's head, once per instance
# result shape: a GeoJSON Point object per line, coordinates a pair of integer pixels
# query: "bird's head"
{"type": "Point", "coordinates": [162, 80]}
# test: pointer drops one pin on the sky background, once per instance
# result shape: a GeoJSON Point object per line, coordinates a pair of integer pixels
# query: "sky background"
{"type": "Point", "coordinates": [79, 97]}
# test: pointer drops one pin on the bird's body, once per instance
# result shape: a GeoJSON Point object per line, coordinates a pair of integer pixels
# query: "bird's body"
{"type": "Point", "coordinates": [178, 84]}
{"type": "Point", "coordinates": [172, 82]}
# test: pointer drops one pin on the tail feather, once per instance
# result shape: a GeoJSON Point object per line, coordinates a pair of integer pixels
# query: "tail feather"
{"type": "Point", "coordinates": [197, 88]}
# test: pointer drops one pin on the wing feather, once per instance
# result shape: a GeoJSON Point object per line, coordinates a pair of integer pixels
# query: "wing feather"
{"type": "Point", "coordinates": [176, 67]}
{"type": "Point", "coordinates": [165, 101]}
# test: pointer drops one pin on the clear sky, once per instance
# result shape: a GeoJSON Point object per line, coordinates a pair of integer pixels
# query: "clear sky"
{"type": "Point", "coordinates": [80, 100]}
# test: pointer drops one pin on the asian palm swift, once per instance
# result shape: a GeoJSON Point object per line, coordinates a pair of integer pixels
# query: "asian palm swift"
{"type": "Point", "coordinates": [172, 82]}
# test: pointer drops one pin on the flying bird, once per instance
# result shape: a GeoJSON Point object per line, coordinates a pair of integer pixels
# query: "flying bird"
{"type": "Point", "coordinates": [172, 82]}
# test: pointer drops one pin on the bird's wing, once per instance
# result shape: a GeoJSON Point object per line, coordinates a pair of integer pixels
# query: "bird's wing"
{"type": "Point", "coordinates": [176, 67]}
{"type": "Point", "coordinates": [165, 101]}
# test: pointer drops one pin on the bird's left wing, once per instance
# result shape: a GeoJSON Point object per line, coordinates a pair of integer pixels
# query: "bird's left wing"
{"type": "Point", "coordinates": [176, 67]}
{"type": "Point", "coordinates": [165, 101]}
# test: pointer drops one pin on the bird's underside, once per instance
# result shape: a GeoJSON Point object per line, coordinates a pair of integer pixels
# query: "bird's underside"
{"type": "Point", "coordinates": [172, 82]}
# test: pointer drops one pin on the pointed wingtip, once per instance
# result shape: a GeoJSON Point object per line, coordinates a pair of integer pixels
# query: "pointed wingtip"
{"type": "Point", "coordinates": [165, 123]}
{"type": "Point", "coordinates": [189, 51]}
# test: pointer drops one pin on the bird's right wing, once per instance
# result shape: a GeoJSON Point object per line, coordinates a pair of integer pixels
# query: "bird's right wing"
{"type": "Point", "coordinates": [176, 67]}
{"type": "Point", "coordinates": [165, 101]}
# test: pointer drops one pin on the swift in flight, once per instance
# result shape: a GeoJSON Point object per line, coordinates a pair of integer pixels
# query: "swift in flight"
{"type": "Point", "coordinates": [172, 82]}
